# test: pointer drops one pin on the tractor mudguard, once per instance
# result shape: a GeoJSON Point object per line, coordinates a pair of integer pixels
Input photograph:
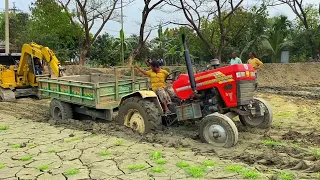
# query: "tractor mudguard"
{"type": "Point", "coordinates": [150, 95]}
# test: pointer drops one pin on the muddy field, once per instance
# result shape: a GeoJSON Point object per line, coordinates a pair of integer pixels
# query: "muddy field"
{"type": "Point", "coordinates": [290, 149]}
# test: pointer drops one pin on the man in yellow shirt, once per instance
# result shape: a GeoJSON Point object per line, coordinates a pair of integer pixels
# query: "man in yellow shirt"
{"type": "Point", "coordinates": [254, 62]}
{"type": "Point", "coordinates": [158, 85]}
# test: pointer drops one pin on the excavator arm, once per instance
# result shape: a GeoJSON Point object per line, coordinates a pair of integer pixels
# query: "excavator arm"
{"type": "Point", "coordinates": [41, 52]}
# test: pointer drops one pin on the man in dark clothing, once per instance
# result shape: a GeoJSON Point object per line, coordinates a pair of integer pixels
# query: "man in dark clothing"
{"type": "Point", "coordinates": [37, 67]}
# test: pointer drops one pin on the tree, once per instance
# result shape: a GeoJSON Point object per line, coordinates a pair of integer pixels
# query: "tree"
{"type": "Point", "coordinates": [219, 11]}
{"type": "Point", "coordinates": [278, 36]}
{"type": "Point", "coordinates": [18, 23]}
{"type": "Point", "coordinates": [148, 7]}
{"type": "Point", "coordinates": [50, 26]}
{"type": "Point", "coordinates": [89, 13]}
{"type": "Point", "coordinates": [102, 51]}
{"type": "Point", "coordinates": [307, 16]}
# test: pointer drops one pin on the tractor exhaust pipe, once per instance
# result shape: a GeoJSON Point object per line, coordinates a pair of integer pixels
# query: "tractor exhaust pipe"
{"type": "Point", "coordinates": [189, 65]}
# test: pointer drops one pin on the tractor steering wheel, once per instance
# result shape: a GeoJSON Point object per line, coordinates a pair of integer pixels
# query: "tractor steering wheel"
{"type": "Point", "coordinates": [172, 76]}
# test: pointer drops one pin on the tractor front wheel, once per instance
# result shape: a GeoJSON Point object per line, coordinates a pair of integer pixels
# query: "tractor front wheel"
{"type": "Point", "coordinates": [218, 130]}
{"type": "Point", "coordinates": [139, 114]}
{"type": "Point", "coordinates": [263, 121]}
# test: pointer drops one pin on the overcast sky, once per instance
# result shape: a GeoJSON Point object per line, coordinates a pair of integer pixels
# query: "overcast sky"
{"type": "Point", "coordinates": [132, 15]}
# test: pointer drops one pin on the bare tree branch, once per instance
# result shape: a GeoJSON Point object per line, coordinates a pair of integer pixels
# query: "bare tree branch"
{"type": "Point", "coordinates": [87, 13]}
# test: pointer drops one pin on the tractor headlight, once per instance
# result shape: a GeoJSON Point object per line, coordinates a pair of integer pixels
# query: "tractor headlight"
{"type": "Point", "coordinates": [245, 74]}
{"type": "Point", "coordinates": [240, 74]}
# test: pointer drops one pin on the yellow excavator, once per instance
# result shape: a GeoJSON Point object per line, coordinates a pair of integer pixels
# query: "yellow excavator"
{"type": "Point", "coordinates": [21, 79]}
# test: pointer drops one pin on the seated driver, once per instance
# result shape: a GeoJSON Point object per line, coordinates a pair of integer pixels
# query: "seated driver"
{"type": "Point", "coordinates": [38, 66]}
{"type": "Point", "coordinates": [158, 77]}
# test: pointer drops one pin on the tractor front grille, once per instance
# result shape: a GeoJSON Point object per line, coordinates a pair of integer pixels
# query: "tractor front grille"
{"type": "Point", "coordinates": [245, 90]}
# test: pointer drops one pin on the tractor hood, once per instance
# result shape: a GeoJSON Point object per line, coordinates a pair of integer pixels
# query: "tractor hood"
{"type": "Point", "coordinates": [213, 78]}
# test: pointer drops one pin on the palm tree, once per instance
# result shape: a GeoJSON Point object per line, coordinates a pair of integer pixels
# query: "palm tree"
{"type": "Point", "coordinates": [278, 36]}
{"type": "Point", "coordinates": [273, 41]}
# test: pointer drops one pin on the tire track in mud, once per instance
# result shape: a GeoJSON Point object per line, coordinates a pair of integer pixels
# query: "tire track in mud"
{"type": "Point", "coordinates": [307, 92]}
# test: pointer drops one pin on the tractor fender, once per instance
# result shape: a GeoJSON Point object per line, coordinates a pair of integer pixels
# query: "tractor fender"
{"type": "Point", "coordinates": [150, 95]}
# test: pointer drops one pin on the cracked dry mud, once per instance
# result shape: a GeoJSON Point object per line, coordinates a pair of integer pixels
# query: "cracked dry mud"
{"type": "Point", "coordinates": [34, 147]}
{"type": "Point", "coordinates": [48, 152]}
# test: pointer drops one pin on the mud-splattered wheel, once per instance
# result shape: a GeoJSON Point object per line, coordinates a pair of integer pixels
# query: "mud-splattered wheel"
{"type": "Point", "coordinates": [218, 130]}
{"type": "Point", "coordinates": [60, 110]}
{"type": "Point", "coordinates": [263, 121]}
{"type": "Point", "coordinates": [139, 114]}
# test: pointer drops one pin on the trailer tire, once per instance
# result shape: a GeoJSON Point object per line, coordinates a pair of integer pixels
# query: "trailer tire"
{"type": "Point", "coordinates": [147, 115]}
{"type": "Point", "coordinates": [60, 110]}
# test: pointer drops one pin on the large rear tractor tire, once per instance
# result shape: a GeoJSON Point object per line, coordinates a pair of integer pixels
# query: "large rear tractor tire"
{"type": "Point", "coordinates": [262, 122]}
{"type": "Point", "coordinates": [218, 130]}
{"type": "Point", "coordinates": [141, 115]}
{"type": "Point", "coordinates": [60, 110]}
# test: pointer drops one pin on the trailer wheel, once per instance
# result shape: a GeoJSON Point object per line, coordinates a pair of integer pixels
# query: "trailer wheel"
{"type": "Point", "coordinates": [139, 114]}
{"type": "Point", "coordinates": [60, 110]}
{"type": "Point", "coordinates": [218, 130]}
{"type": "Point", "coordinates": [262, 122]}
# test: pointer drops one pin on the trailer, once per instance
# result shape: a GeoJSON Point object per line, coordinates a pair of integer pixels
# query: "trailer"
{"type": "Point", "coordinates": [96, 95]}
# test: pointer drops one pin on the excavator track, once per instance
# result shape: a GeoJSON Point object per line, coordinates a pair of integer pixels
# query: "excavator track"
{"type": "Point", "coordinates": [7, 95]}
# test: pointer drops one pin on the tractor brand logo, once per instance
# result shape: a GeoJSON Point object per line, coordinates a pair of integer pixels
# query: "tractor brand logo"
{"type": "Point", "coordinates": [53, 87]}
{"type": "Point", "coordinates": [75, 90]}
{"type": "Point", "coordinates": [88, 92]}
{"type": "Point", "coordinates": [64, 89]}
{"type": "Point", "coordinates": [219, 77]}
{"type": "Point", "coordinates": [230, 96]}
{"type": "Point", "coordinates": [222, 78]}
{"type": "Point", "coordinates": [245, 66]}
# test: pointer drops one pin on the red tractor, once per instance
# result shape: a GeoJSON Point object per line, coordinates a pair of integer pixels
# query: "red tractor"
{"type": "Point", "coordinates": [214, 97]}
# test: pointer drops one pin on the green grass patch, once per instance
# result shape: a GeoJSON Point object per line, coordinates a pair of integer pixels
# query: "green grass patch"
{"type": "Point", "coordinates": [136, 167]}
{"type": "Point", "coordinates": [161, 161]}
{"type": "Point", "coordinates": [271, 143]}
{"type": "Point", "coordinates": [250, 174]}
{"type": "Point", "coordinates": [246, 173]}
{"type": "Point", "coordinates": [209, 163]}
{"type": "Point", "coordinates": [3, 128]}
{"type": "Point", "coordinates": [2, 166]}
{"type": "Point", "coordinates": [283, 114]}
{"type": "Point", "coordinates": [196, 172]}
{"type": "Point", "coordinates": [16, 146]}
{"type": "Point", "coordinates": [43, 167]}
{"type": "Point", "coordinates": [181, 149]}
{"type": "Point", "coordinates": [52, 150]}
{"type": "Point", "coordinates": [72, 139]}
{"type": "Point", "coordinates": [104, 153]}
{"type": "Point", "coordinates": [316, 153]}
{"type": "Point", "coordinates": [31, 145]}
{"type": "Point", "coordinates": [26, 158]}
{"type": "Point", "coordinates": [234, 168]}
{"type": "Point", "coordinates": [182, 164]}
{"type": "Point", "coordinates": [72, 172]}
{"type": "Point", "coordinates": [93, 134]}
{"type": "Point", "coordinates": [286, 176]}
{"type": "Point", "coordinates": [156, 155]}
{"type": "Point", "coordinates": [157, 169]}
{"type": "Point", "coordinates": [119, 142]}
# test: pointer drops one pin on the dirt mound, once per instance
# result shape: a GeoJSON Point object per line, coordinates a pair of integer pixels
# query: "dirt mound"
{"type": "Point", "coordinates": [79, 70]}
{"type": "Point", "coordinates": [289, 74]}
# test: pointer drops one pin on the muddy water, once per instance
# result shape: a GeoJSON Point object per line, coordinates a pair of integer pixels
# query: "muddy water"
{"type": "Point", "coordinates": [290, 144]}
